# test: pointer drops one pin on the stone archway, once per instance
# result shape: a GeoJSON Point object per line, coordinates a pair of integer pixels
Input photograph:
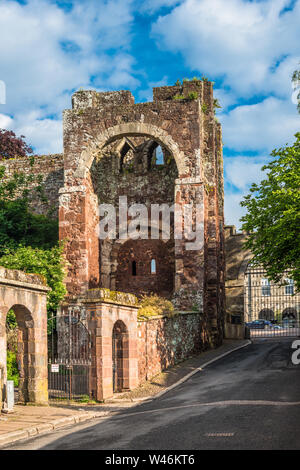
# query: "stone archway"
{"type": "Point", "coordinates": [266, 314]}
{"type": "Point", "coordinates": [289, 313]}
{"type": "Point", "coordinates": [130, 129]}
{"type": "Point", "coordinates": [25, 294]}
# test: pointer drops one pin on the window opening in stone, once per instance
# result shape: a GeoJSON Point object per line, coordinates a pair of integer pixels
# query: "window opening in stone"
{"type": "Point", "coordinates": [133, 268]}
{"type": "Point", "coordinates": [153, 266]}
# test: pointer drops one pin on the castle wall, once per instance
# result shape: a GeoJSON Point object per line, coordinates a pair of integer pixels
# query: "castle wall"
{"type": "Point", "coordinates": [187, 130]}
{"type": "Point", "coordinates": [50, 168]}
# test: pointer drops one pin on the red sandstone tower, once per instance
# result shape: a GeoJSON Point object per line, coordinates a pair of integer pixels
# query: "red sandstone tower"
{"type": "Point", "coordinates": [162, 152]}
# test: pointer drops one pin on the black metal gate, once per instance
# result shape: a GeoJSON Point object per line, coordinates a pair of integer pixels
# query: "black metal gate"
{"type": "Point", "coordinates": [270, 309]}
{"type": "Point", "coordinates": [69, 359]}
{"type": "Point", "coordinates": [117, 361]}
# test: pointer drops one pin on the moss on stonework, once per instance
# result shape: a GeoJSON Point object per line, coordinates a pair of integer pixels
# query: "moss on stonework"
{"type": "Point", "coordinates": [113, 296]}
{"type": "Point", "coordinates": [153, 306]}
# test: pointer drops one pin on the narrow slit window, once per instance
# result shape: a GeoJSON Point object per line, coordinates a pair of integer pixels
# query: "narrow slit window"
{"type": "Point", "coordinates": [153, 266]}
{"type": "Point", "coordinates": [133, 268]}
{"type": "Point", "coordinates": [159, 156]}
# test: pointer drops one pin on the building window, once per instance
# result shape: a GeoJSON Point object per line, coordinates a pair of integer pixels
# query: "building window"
{"type": "Point", "coordinates": [153, 266]}
{"type": "Point", "coordinates": [159, 156]}
{"type": "Point", "coordinates": [133, 268]}
{"type": "Point", "coordinates": [265, 287]}
{"type": "Point", "coordinates": [289, 288]}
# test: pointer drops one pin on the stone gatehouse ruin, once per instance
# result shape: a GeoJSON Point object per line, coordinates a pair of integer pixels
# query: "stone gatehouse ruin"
{"type": "Point", "coordinates": [168, 151]}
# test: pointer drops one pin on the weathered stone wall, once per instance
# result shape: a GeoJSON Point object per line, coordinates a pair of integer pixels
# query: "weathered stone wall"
{"type": "Point", "coordinates": [26, 295]}
{"type": "Point", "coordinates": [143, 282]}
{"type": "Point", "coordinates": [237, 259]}
{"type": "Point", "coordinates": [150, 346]}
{"type": "Point", "coordinates": [164, 342]}
{"type": "Point", "coordinates": [187, 131]}
{"type": "Point", "coordinates": [50, 167]}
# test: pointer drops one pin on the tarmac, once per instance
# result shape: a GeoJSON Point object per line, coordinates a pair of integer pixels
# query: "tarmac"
{"type": "Point", "coordinates": [28, 421]}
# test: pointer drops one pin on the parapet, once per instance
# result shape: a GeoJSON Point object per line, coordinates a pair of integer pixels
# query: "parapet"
{"type": "Point", "coordinates": [90, 98]}
{"type": "Point", "coordinates": [20, 277]}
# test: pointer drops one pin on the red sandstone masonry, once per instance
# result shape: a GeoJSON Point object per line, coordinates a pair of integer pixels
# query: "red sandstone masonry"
{"type": "Point", "coordinates": [164, 342]}
{"type": "Point", "coordinates": [186, 129]}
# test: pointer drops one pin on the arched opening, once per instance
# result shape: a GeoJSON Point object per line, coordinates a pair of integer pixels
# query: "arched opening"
{"type": "Point", "coordinates": [289, 313]}
{"type": "Point", "coordinates": [156, 155]}
{"type": "Point", "coordinates": [289, 316]}
{"type": "Point", "coordinates": [120, 357]}
{"type": "Point", "coordinates": [266, 314]}
{"type": "Point", "coordinates": [126, 159]}
{"type": "Point", "coordinates": [133, 268]}
{"type": "Point", "coordinates": [159, 156]}
{"type": "Point", "coordinates": [20, 357]}
{"type": "Point", "coordinates": [153, 266]}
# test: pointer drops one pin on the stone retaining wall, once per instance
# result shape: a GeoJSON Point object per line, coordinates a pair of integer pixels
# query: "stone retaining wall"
{"type": "Point", "coordinates": [164, 342]}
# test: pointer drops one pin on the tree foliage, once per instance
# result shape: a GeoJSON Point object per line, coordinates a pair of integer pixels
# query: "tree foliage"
{"type": "Point", "coordinates": [273, 215]}
{"type": "Point", "coordinates": [47, 263]}
{"type": "Point", "coordinates": [12, 146]}
{"type": "Point", "coordinates": [18, 225]}
{"type": "Point", "coordinates": [29, 241]}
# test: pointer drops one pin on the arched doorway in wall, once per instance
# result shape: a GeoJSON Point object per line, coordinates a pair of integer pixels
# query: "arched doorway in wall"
{"type": "Point", "coordinates": [21, 362]}
{"type": "Point", "coordinates": [289, 316]}
{"type": "Point", "coordinates": [266, 314]}
{"type": "Point", "coordinates": [289, 313]}
{"type": "Point", "coordinates": [144, 172]}
{"type": "Point", "coordinates": [120, 357]}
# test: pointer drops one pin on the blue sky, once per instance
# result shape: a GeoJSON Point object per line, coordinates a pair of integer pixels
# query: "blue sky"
{"type": "Point", "coordinates": [48, 49]}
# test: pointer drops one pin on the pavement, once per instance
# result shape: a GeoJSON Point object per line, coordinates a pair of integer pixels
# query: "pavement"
{"type": "Point", "coordinates": [30, 421]}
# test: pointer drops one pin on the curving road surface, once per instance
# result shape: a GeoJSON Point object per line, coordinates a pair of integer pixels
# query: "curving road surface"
{"type": "Point", "coordinates": [247, 400]}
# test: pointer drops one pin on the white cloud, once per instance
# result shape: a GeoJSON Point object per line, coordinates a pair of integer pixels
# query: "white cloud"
{"type": "Point", "coordinates": [233, 210]}
{"type": "Point", "coordinates": [46, 53]}
{"type": "Point", "coordinates": [237, 40]}
{"type": "Point", "coordinates": [5, 121]}
{"type": "Point", "coordinates": [262, 126]}
{"type": "Point", "coordinates": [151, 6]}
{"type": "Point", "coordinates": [252, 47]}
{"type": "Point", "coordinates": [242, 171]}
{"type": "Point", "coordinates": [147, 94]}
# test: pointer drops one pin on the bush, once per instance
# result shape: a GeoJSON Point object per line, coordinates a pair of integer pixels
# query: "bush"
{"type": "Point", "coordinates": [47, 263]}
{"type": "Point", "coordinates": [153, 305]}
{"type": "Point", "coordinates": [12, 367]}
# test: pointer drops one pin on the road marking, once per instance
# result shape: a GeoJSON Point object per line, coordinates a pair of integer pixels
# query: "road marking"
{"type": "Point", "coordinates": [213, 404]}
{"type": "Point", "coordinates": [219, 434]}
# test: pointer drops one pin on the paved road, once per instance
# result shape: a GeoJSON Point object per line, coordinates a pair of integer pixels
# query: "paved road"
{"type": "Point", "coordinates": [247, 400]}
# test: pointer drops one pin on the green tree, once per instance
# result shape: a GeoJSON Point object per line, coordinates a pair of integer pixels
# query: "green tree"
{"type": "Point", "coordinates": [29, 241]}
{"type": "Point", "coordinates": [47, 263]}
{"type": "Point", "coordinates": [273, 215]}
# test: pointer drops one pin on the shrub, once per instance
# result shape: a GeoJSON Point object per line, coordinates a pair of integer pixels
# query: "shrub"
{"type": "Point", "coordinates": [193, 95]}
{"type": "Point", "coordinates": [153, 305]}
{"type": "Point", "coordinates": [12, 367]}
{"type": "Point", "coordinates": [47, 263]}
